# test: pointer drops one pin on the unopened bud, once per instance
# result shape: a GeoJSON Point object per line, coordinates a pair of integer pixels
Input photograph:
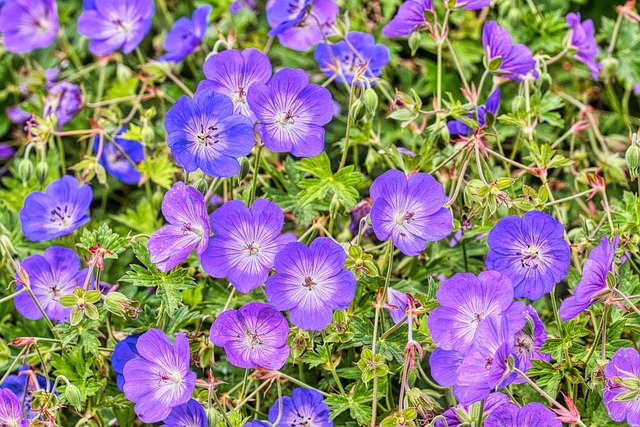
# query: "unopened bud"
{"type": "Point", "coordinates": [244, 167]}
{"type": "Point", "coordinates": [371, 100]}
{"type": "Point", "coordinates": [212, 417]}
{"type": "Point", "coordinates": [544, 82]}
{"type": "Point", "coordinates": [414, 42]}
{"type": "Point", "coordinates": [25, 170]}
{"type": "Point", "coordinates": [357, 110]}
{"type": "Point", "coordinates": [518, 103]}
{"type": "Point", "coordinates": [73, 396]}
{"type": "Point", "coordinates": [632, 158]}
{"type": "Point", "coordinates": [609, 67]}
{"type": "Point", "coordinates": [42, 172]}
{"type": "Point", "coordinates": [148, 135]}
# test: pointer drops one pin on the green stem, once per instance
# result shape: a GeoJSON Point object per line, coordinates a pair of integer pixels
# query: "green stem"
{"type": "Point", "coordinates": [566, 199]}
{"type": "Point", "coordinates": [345, 150]}
{"type": "Point", "coordinates": [614, 35]}
{"type": "Point", "coordinates": [300, 383]}
{"type": "Point", "coordinates": [256, 169]}
{"type": "Point", "coordinates": [63, 166]}
{"type": "Point", "coordinates": [7, 298]}
{"type": "Point", "coordinates": [439, 75]}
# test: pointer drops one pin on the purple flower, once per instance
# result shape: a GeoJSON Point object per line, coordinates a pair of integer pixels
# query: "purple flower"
{"type": "Point", "coordinates": [204, 133]}
{"type": "Point", "coordinates": [245, 242]}
{"type": "Point", "coordinates": [28, 24]}
{"type": "Point", "coordinates": [114, 24]}
{"type": "Point", "coordinates": [190, 414]}
{"type": "Point", "coordinates": [409, 18]}
{"type": "Point", "coordinates": [63, 101]}
{"type": "Point", "coordinates": [355, 52]}
{"type": "Point", "coordinates": [160, 379]}
{"type": "Point", "coordinates": [6, 151]}
{"type": "Point", "coordinates": [232, 73]}
{"type": "Point", "coordinates": [532, 415]}
{"type": "Point", "coordinates": [257, 423]}
{"type": "Point", "coordinates": [472, 4]}
{"type": "Point", "coordinates": [185, 209]}
{"type": "Point", "coordinates": [238, 5]}
{"type": "Point", "coordinates": [360, 211]}
{"type": "Point", "coordinates": [300, 24]}
{"type": "Point", "coordinates": [114, 158]}
{"type": "Point", "coordinates": [255, 335]}
{"type": "Point", "coordinates": [23, 385]}
{"type": "Point", "coordinates": [124, 351]}
{"type": "Point", "coordinates": [310, 281]}
{"type": "Point", "coordinates": [584, 41]}
{"type": "Point", "coordinates": [52, 275]}
{"type": "Point", "coordinates": [528, 342]}
{"type": "Point", "coordinates": [531, 251]}
{"type": "Point", "coordinates": [58, 211]}
{"type": "Point", "coordinates": [186, 34]}
{"type": "Point", "coordinates": [304, 407]}
{"type": "Point", "coordinates": [504, 58]}
{"type": "Point", "coordinates": [17, 115]}
{"type": "Point", "coordinates": [622, 375]}
{"type": "Point", "coordinates": [400, 300]}
{"type": "Point", "coordinates": [11, 410]}
{"type": "Point", "coordinates": [291, 113]}
{"type": "Point", "coordinates": [458, 127]}
{"type": "Point", "coordinates": [410, 211]}
{"type": "Point", "coordinates": [593, 285]}
{"type": "Point", "coordinates": [461, 414]}
{"type": "Point", "coordinates": [465, 302]}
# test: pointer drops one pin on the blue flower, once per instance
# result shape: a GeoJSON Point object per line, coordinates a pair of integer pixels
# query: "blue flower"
{"type": "Point", "coordinates": [124, 351]}
{"type": "Point", "coordinates": [304, 408]}
{"type": "Point", "coordinates": [28, 24]}
{"type": "Point", "coordinates": [502, 56]}
{"type": "Point", "coordinates": [295, 22]}
{"type": "Point", "coordinates": [186, 34]}
{"type": "Point", "coordinates": [458, 127]}
{"type": "Point", "coordinates": [63, 101]}
{"type": "Point", "coordinates": [114, 159]}
{"type": "Point", "coordinates": [190, 414]}
{"type": "Point", "coordinates": [23, 385]}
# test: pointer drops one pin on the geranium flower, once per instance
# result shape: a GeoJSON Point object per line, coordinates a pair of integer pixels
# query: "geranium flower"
{"type": "Point", "coordinates": [160, 379]}
{"type": "Point", "coordinates": [190, 414]}
{"type": "Point", "coordinates": [124, 351]}
{"type": "Point", "coordinates": [409, 18]}
{"type": "Point", "coordinates": [28, 24]}
{"type": "Point", "coordinates": [300, 24]}
{"type": "Point", "coordinates": [304, 407]}
{"type": "Point", "coordinates": [400, 300]}
{"type": "Point", "coordinates": [245, 242]}
{"type": "Point", "coordinates": [255, 335]}
{"type": "Point", "coordinates": [185, 209]}
{"type": "Point", "coordinates": [291, 113]}
{"type": "Point", "coordinates": [59, 211]}
{"type": "Point", "coordinates": [531, 251]}
{"type": "Point", "coordinates": [532, 415]}
{"type": "Point", "coordinates": [310, 282]}
{"type": "Point", "coordinates": [114, 161]}
{"type": "Point", "coordinates": [528, 342]}
{"type": "Point", "coordinates": [63, 101]}
{"type": "Point", "coordinates": [237, 5]}
{"type": "Point", "coordinates": [472, 4]}
{"type": "Point", "coordinates": [458, 127]}
{"type": "Point", "coordinates": [11, 410]}
{"type": "Point", "coordinates": [23, 385]}
{"type": "Point", "coordinates": [584, 42]}
{"type": "Point", "coordinates": [461, 414]}
{"type": "Point", "coordinates": [204, 133]}
{"type": "Point", "coordinates": [257, 423]}
{"type": "Point", "coordinates": [186, 34]}
{"type": "Point", "coordinates": [410, 211]}
{"type": "Point", "coordinates": [622, 376]}
{"type": "Point", "coordinates": [504, 58]}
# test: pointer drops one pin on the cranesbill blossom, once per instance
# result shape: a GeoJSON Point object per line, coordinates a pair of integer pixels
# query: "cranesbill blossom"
{"type": "Point", "coordinates": [28, 24]}
{"type": "Point", "coordinates": [232, 73]}
{"type": "Point", "coordinates": [400, 301]}
{"type": "Point", "coordinates": [6, 151]}
{"type": "Point", "coordinates": [185, 209]}
{"type": "Point", "coordinates": [304, 408]}
{"type": "Point", "coordinates": [465, 302]}
{"type": "Point", "coordinates": [190, 414]}
{"type": "Point", "coordinates": [63, 101]}
{"type": "Point", "coordinates": [409, 18]}
{"type": "Point", "coordinates": [300, 24]}
{"type": "Point", "coordinates": [23, 385]}
{"type": "Point", "coordinates": [532, 415]}
{"type": "Point", "coordinates": [347, 57]}
{"type": "Point", "coordinates": [59, 211]}
{"type": "Point", "coordinates": [461, 414]}
{"type": "Point", "coordinates": [11, 410]}
{"type": "Point", "coordinates": [245, 242]}
{"type": "Point", "coordinates": [114, 158]}
{"type": "Point", "coordinates": [160, 379]}
{"type": "Point", "coordinates": [528, 342]}
{"type": "Point", "coordinates": [16, 114]}
{"type": "Point", "coordinates": [472, 4]}
{"type": "Point", "coordinates": [410, 211]}
{"type": "Point", "coordinates": [504, 58]}
{"type": "Point", "coordinates": [310, 281]}
{"type": "Point", "coordinates": [114, 24]}
{"type": "Point", "coordinates": [291, 113]}
{"type": "Point", "coordinates": [622, 391]}
{"type": "Point", "coordinates": [51, 275]}
{"type": "Point", "coordinates": [458, 127]}
{"type": "Point", "coordinates": [204, 133]}
{"type": "Point", "coordinates": [255, 335]}
{"type": "Point", "coordinates": [531, 251]}
{"type": "Point", "coordinates": [256, 423]}
{"type": "Point", "coordinates": [186, 34]}
{"type": "Point", "coordinates": [358, 213]}
{"type": "Point", "coordinates": [237, 5]}
{"type": "Point", "coordinates": [584, 42]}
{"type": "Point", "coordinates": [124, 351]}
{"type": "Point", "coordinates": [593, 285]}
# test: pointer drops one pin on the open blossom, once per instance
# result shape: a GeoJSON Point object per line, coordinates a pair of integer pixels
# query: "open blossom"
{"type": "Point", "coordinates": [204, 133]}
{"type": "Point", "coordinates": [232, 73]}
{"type": "Point", "coordinates": [400, 301]}
{"type": "Point", "coordinates": [531, 251]}
{"type": "Point", "coordinates": [160, 379]}
{"type": "Point", "coordinates": [409, 18]}
{"type": "Point", "coordinates": [186, 34]}
{"type": "Point", "coordinates": [63, 101]}
{"type": "Point", "coordinates": [124, 351]}
{"type": "Point", "coordinates": [51, 275]}
{"type": "Point", "coordinates": [504, 58]}
{"type": "Point", "coordinates": [593, 284]}
{"type": "Point", "coordinates": [237, 5]}
{"type": "Point", "coordinates": [528, 342]}
{"type": "Point", "coordinates": [185, 209]}
{"type": "Point", "coordinates": [310, 282]}
{"type": "Point", "coordinates": [245, 242]}
{"type": "Point", "coordinates": [532, 415]}
{"type": "Point", "coordinates": [256, 423]}
{"type": "Point", "coordinates": [113, 158]}
{"type": "Point", "coordinates": [305, 407]}
{"type": "Point", "coordinates": [114, 24]}
{"type": "Point", "coordinates": [357, 51]}
{"type": "Point", "coordinates": [6, 151]}
{"type": "Point", "coordinates": [28, 24]}
{"type": "Point", "coordinates": [461, 414]}
{"type": "Point", "coordinates": [59, 211]}
{"type": "Point", "coordinates": [584, 41]}
{"type": "Point", "coordinates": [472, 4]}
{"type": "Point", "coordinates": [190, 414]}
{"type": "Point", "coordinates": [255, 335]}
{"type": "Point", "coordinates": [23, 385]}
{"type": "Point", "coordinates": [622, 375]}
{"type": "Point", "coordinates": [291, 113]}
{"type": "Point", "coordinates": [410, 211]}
{"type": "Point", "coordinates": [300, 24]}
{"type": "Point", "coordinates": [11, 410]}
{"type": "Point", "coordinates": [458, 127]}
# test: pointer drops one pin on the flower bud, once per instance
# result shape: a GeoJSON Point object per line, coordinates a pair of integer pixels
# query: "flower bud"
{"type": "Point", "coordinates": [25, 170]}
{"type": "Point", "coordinates": [201, 185]}
{"type": "Point", "coordinates": [371, 100]}
{"type": "Point", "coordinates": [148, 135]}
{"type": "Point", "coordinates": [357, 110]}
{"type": "Point", "coordinates": [212, 417]}
{"type": "Point", "coordinates": [42, 172]}
{"type": "Point", "coordinates": [445, 134]}
{"type": "Point", "coordinates": [609, 67]}
{"type": "Point", "coordinates": [73, 396]}
{"type": "Point", "coordinates": [244, 167]}
{"type": "Point", "coordinates": [544, 82]}
{"type": "Point", "coordinates": [414, 42]}
{"type": "Point", "coordinates": [116, 303]}
{"type": "Point", "coordinates": [123, 72]}
{"type": "Point", "coordinates": [632, 158]}
{"type": "Point", "coordinates": [518, 103]}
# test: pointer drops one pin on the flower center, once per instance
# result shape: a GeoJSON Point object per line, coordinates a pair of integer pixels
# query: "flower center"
{"type": "Point", "coordinates": [478, 317]}
{"type": "Point", "coordinates": [309, 283]}
{"type": "Point", "coordinates": [523, 344]}
{"type": "Point", "coordinates": [126, 26]}
{"type": "Point", "coordinates": [42, 25]}
{"type": "Point", "coordinates": [303, 421]}
{"type": "Point", "coordinates": [529, 257]}
{"type": "Point", "coordinates": [286, 118]}
{"type": "Point", "coordinates": [352, 62]}
{"type": "Point", "coordinates": [253, 339]}
{"type": "Point", "coordinates": [488, 363]}
{"type": "Point", "coordinates": [405, 218]}
{"type": "Point", "coordinates": [173, 377]}
{"type": "Point", "coordinates": [54, 289]}
{"type": "Point", "coordinates": [252, 249]}
{"type": "Point", "coordinates": [61, 216]}
{"type": "Point", "coordinates": [240, 95]}
{"type": "Point", "coordinates": [207, 136]}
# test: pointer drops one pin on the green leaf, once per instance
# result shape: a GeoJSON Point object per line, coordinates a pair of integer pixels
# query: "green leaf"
{"type": "Point", "coordinates": [160, 170]}
{"type": "Point", "coordinates": [106, 238]}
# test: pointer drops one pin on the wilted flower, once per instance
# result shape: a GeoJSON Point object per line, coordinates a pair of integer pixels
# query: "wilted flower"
{"type": "Point", "coordinates": [60, 210]}
{"type": "Point", "coordinates": [63, 101]}
{"type": "Point", "coordinates": [124, 351]}
{"type": "Point", "coordinates": [360, 211]}
{"type": "Point", "coordinates": [190, 414]}
{"type": "Point", "coordinates": [255, 335]}
{"type": "Point", "coordinates": [300, 24]}
{"type": "Point", "coordinates": [532, 415]}
{"type": "Point", "coordinates": [622, 375]}
{"type": "Point", "coordinates": [528, 342]}
{"type": "Point", "coordinates": [502, 57]}
{"type": "Point", "coordinates": [28, 24]}
{"type": "Point", "coordinates": [114, 161]}
{"type": "Point", "coordinates": [584, 41]}
{"type": "Point", "coordinates": [458, 127]}
{"type": "Point", "coordinates": [304, 407]}
{"type": "Point", "coordinates": [461, 414]}
{"type": "Point", "coordinates": [310, 282]}
{"type": "Point", "coordinates": [186, 34]}
{"type": "Point", "coordinates": [245, 242]}
{"type": "Point", "coordinates": [409, 18]}
{"type": "Point", "coordinates": [11, 410]}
